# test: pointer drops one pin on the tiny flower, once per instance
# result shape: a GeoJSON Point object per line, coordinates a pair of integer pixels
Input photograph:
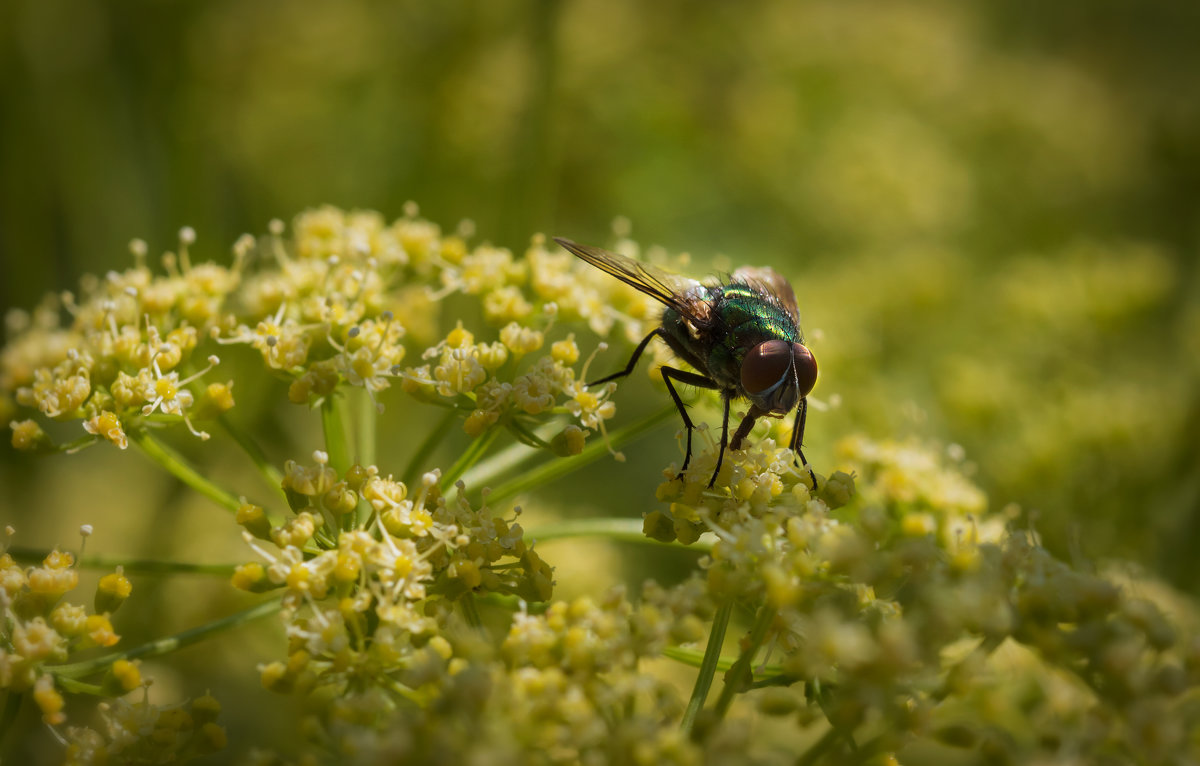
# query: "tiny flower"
{"type": "Point", "coordinates": [37, 641]}
{"type": "Point", "coordinates": [100, 631]}
{"type": "Point", "coordinates": [127, 674]}
{"type": "Point", "coordinates": [107, 426]}
{"type": "Point", "coordinates": [521, 340]}
{"type": "Point", "coordinates": [251, 577]}
{"type": "Point", "coordinates": [70, 620]}
{"type": "Point", "coordinates": [28, 436]}
{"type": "Point", "coordinates": [506, 303]}
{"type": "Point", "coordinates": [49, 701]}
{"type": "Point", "coordinates": [254, 520]}
{"type": "Point", "coordinates": [569, 441]}
{"type": "Point", "coordinates": [112, 591]}
{"type": "Point", "coordinates": [565, 351]}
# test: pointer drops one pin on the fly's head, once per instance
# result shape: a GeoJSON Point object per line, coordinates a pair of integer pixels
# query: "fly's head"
{"type": "Point", "coordinates": [777, 374]}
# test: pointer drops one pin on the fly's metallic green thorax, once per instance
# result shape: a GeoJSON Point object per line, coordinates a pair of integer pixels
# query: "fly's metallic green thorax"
{"type": "Point", "coordinates": [743, 338]}
{"type": "Point", "coordinates": [745, 318]}
{"type": "Point", "coordinates": [732, 320]}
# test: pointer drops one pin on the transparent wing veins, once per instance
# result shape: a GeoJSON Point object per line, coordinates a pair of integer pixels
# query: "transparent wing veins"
{"type": "Point", "coordinates": [666, 288]}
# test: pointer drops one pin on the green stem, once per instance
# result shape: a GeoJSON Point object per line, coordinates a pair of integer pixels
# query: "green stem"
{"type": "Point", "coordinates": [470, 456]}
{"type": "Point", "coordinates": [269, 471]}
{"type": "Point", "coordinates": [175, 464]}
{"type": "Point", "coordinates": [621, 530]}
{"type": "Point", "coordinates": [984, 650]}
{"type": "Point", "coordinates": [169, 644]}
{"type": "Point", "coordinates": [772, 675]}
{"type": "Point", "coordinates": [821, 695]}
{"type": "Point", "coordinates": [400, 690]}
{"type": "Point", "coordinates": [818, 748]}
{"type": "Point", "coordinates": [739, 674]}
{"type": "Point", "coordinates": [131, 566]}
{"type": "Point", "coordinates": [333, 424]}
{"type": "Point", "coordinates": [471, 611]}
{"type": "Point", "coordinates": [708, 666]}
{"type": "Point", "coordinates": [692, 658]}
{"type": "Point", "coordinates": [364, 429]}
{"type": "Point", "coordinates": [557, 468]}
{"type": "Point", "coordinates": [426, 448]}
{"type": "Point", "coordinates": [71, 447]}
{"type": "Point", "coordinates": [506, 460]}
{"type": "Point", "coordinates": [79, 687]}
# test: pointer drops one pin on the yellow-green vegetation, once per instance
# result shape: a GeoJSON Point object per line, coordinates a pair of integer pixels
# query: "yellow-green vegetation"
{"type": "Point", "coordinates": [888, 613]}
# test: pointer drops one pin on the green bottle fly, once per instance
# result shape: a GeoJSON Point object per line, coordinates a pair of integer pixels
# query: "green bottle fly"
{"type": "Point", "coordinates": [742, 338]}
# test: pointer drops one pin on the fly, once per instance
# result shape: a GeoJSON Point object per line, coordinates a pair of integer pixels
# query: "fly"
{"type": "Point", "coordinates": [743, 338]}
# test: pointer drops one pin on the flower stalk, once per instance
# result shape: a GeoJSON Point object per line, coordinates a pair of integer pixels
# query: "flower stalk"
{"type": "Point", "coordinates": [708, 667]}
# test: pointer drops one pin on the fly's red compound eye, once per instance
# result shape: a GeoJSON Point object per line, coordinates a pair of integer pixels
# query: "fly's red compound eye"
{"type": "Point", "coordinates": [766, 366]}
{"type": "Point", "coordinates": [806, 368]}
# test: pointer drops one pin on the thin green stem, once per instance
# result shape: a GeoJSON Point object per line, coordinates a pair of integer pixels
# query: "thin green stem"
{"type": "Point", "coordinates": [708, 666]}
{"type": "Point", "coordinates": [367, 417]}
{"type": "Point", "coordinates": [169, 644]}
{"type": "Point", "coordinates": [741, 671]}
{"type": "Point", "coordinates": [506, 460]}
{"type": "Point", "coordinates": [692, 657]}
{"type": "Point", "coordinates": [559, 467]}
{"type": "Point", "coordinates": [982, 651]}
{"type": "Point", "coordinates": [470, 456]}
{"type": "Point", "coordinates": [333, 424]}
{"type": "Point", "coordinates": [268, 470]}
{"type": "Point", "coordinates": [177, 466]}
{"type": "Point", "coordinates": [620, 530]}
{"type": "Point", "coordinates": [426, 448]}
{"type": "Point", "coordinates": [79, 687]}
{"type": "Point", "coordinates": [402, 691]}
{"type": "Point", "coordinates": [512, 603]}
{"type": "Point", "coordinates": [771, 675]}
{"type": "Point", "coordinates": [130, 566]}
{"type": "Point", "coordinates": [821, 695]}
{"type": "Point", "coordinates": [81, 443]}
{"type": "Point", "coordinates": [818, 748]}
{"type": "Point", "coordinates": [470, 611]}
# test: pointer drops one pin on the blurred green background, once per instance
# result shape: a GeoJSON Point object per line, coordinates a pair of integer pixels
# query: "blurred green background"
{"type": "Point", "coordinates": [989, 211]}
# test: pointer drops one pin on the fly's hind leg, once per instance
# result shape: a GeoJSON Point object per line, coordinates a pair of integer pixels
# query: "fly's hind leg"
{"type": "Point", "coordinates": [633, 360]}
{"type": "Point", "coordinates": [691, 379]}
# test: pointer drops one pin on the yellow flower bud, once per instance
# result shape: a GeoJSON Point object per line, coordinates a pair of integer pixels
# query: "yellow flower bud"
{"type": "Point", "coordinates": [111, 591]}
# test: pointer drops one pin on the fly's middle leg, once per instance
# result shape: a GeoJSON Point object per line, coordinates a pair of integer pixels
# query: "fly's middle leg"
{"type": "Point", "coordinates": [691, 379]}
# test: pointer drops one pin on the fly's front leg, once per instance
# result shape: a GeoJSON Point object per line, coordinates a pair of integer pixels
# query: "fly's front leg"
{"type": "Point", "coordinates": [746, 426]}
{"type": "Point", "coordinates": [691, 379]}
{"type": "Point", "coordinates": [739, 436]}
{"type": "Point", "coordinates": [798, 438]}
{"type": "Point", "coordinates": [633, 360]}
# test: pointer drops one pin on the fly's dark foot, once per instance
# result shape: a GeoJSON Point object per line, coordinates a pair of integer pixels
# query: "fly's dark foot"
{"type": "Point", "coordinates": [812, 474]}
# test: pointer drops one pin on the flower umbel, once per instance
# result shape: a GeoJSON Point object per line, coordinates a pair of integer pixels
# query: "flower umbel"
{"type": "Point", "coordinates": [883, 608]}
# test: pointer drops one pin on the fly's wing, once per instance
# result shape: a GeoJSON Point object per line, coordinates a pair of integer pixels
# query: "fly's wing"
{"type": "Point", "coordinates": [669, 289]}
{"type": "Point", "coordinates": [771, 284]}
